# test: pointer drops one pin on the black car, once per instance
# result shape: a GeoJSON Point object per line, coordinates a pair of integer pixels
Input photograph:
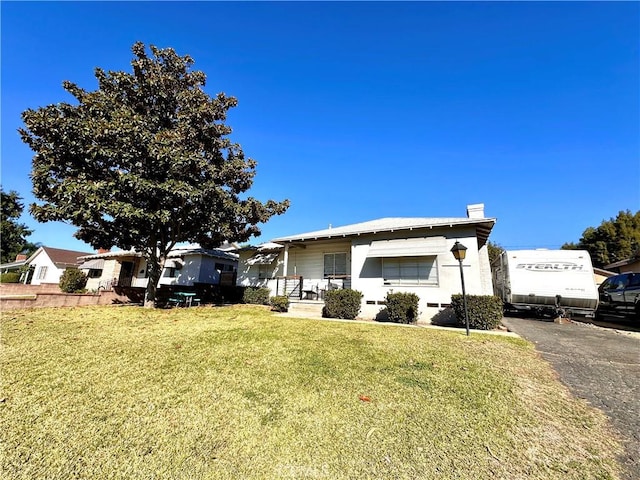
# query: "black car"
{"type": "Point", "coordinates": [620, 297]}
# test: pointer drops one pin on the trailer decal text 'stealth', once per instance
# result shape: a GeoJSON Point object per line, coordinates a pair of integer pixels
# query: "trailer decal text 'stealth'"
{"type": "Point", "coordinates": [549, 267]}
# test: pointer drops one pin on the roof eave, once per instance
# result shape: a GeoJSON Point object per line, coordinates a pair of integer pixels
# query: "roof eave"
{"type": "Point", "coordinates": [487, 222]}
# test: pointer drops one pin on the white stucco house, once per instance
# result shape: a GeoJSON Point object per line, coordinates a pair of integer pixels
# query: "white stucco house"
{"type": "Point", "coordinates": [46, 265]}
{"type": "Point", "coordinates": [375, 257]}
{"type": "Point", "coordinates": [185, 266]}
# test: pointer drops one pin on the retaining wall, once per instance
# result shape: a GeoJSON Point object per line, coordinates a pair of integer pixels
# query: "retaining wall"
{"type": "Point", "coordinates": [14, 295]}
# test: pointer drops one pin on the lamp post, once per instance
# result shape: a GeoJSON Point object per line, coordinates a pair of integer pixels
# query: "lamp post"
{"type": "Point", "coordinates": [459, 252]}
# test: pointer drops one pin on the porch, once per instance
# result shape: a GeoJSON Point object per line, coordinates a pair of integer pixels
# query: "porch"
{"type": "Point", "coordinates": [297, 287]}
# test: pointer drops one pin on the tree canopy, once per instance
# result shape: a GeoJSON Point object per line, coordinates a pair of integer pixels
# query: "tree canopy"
{"type": "Point", "coordinates": [613, 240]}
{"type": "Point", "coordinates": [495, 250]}
{"type": "Point", "coordinates": [144, 162]}
{"type": "Point", "coordinates": [14, 234]}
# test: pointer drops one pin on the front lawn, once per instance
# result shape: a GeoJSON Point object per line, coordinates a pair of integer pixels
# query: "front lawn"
{"type": "Point", "coordinates": [236, 392]}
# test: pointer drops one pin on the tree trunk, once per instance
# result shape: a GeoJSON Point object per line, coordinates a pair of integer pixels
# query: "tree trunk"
{"type": "Point", "coordinates": [154, 266]}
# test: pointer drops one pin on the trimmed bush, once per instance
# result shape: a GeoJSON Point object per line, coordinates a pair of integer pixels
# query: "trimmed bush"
{"type": "Point", "coordinates": [344, 303]}
{"type": "Point", "coordinates": [10, 277]}
{"type": "Point", "coordinates": [280, 303]}
{"type": "Point", "coordinates": [256, 295]}
{"type": "Point", "coordinates": [72, 280]}
{"type": "Point", "coordinates": [402, 307]}
{"type": "Point", "coordinates": [485, 311]}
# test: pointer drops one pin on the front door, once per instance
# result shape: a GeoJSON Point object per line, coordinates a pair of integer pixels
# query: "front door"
{"type": "Point", "coordinates": [126, 274]}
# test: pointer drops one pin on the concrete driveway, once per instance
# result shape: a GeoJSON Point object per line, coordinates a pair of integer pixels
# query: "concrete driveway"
{"type": "Point", "coordinates": [597, 364]}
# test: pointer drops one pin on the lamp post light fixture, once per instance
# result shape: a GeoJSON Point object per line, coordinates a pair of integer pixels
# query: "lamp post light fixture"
{"type": "Point", "coordinates": [459, 252]}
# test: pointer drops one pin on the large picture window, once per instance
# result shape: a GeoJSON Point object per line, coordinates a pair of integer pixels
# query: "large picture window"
{"type": "Point", "coordinates": [335, 264]}
{"type": "Point", "coordinates": [410, 271]}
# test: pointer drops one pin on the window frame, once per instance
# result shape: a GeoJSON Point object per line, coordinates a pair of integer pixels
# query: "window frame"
{"type": "Point", "coordinates": [333, 264]}
{"type": "Point", "coordinates": [419, 263]}
{"type": "Point", "coordinates": [170, 272]}
{"type": "Point", "coordinates": [42, 272]}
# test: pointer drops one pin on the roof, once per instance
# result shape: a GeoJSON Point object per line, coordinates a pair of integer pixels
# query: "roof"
{"type": "Point", "coordinates": [61, 258]}
{"type": "Point", "coordinates": [12, 265]}
{"type": "Point", "coordinates": [603, 272]}
{"type": "Point", "coordinates": [263, 247]}
{"type": "Point", "coordinates": [214, 252]}
{"type": "Point", "coordinates": [392, 224]}
{"type": "Point", "coordinates": [120, 253]}
{"type": "Point", "coordinates": [176, 252]}
{"type": "Point", "coordinates": [622, 263]}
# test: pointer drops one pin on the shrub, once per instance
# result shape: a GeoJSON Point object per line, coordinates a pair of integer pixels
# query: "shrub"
{"type": "Point", "coordinates": [485, 311]}
{"type": "Point", "coordinates": [343, 303]}
{"type": "Point", "coordinates": [72, 280]}
{"type": "Point", "coordinates": [280, 303]}
{"type": "Point", "coordinates": [10, 277]}
{"type": "Point", "coordinates": [402, 307]}
{"type": "Point", "coordinates": [256, 295]}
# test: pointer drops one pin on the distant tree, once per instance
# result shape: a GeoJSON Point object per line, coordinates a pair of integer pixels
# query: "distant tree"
{"type": "Point", "coordinates": [614, 240]}
{"type": "Point", "coordinates": [494, 250]}
{"type": "Point", "coordinates": [144, 162]}
{"type": "Point", "coordinates": [13, 233]}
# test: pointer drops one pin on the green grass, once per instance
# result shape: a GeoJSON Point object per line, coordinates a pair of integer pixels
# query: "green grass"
{"type": "Point", "coordinates": [236, 392]}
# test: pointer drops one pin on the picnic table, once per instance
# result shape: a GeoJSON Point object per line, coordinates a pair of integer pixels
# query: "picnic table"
{"type": "Point", "coordinates": [184, 299]}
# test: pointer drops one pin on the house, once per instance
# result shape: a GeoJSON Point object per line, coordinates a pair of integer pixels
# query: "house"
{"type": "Point", "coordinates": [600, 275]}
{"type": "Point", "coordinates": [627, 265]}
{"type": "Point", "coordinates": [45, 265]}
{"type": "Point", "coordinates": [185, 266]}
{"type": "Point", "coordinates": [376, 257]}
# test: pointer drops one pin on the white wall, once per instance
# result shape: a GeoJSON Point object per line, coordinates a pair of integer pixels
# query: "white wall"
{"type": "Point", "coordinates": [52, 274]}
{"type": "Point", "coordinates": [367, 274]}
{"type": "Point", "coordinates": [248, 275]}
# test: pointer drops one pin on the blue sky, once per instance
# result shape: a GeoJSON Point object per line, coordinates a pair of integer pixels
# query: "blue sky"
{"type": "Point", "coordinates": [357, 111]}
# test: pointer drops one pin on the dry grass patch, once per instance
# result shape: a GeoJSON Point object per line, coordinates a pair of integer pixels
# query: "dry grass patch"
{"type": "Point", "coordinates": [236, 392]}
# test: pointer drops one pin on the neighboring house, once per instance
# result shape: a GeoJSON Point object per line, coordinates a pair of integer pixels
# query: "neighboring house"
{"type": "Point", "coordinates": [47, 264]}
{"type": "Point", "coordinates": [376, 257]}
{"type": "Point", "coordinates": [600, 275]}
{"type": "Point", "coordinates": [185, 266]}
{"type": "Point", "coordinates": [628, 265]}
{"type": "Point", "coordinates": [16, 265]}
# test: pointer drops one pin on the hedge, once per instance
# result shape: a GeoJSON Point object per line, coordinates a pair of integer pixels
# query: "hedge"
{"type": "Point", "coordinates": [256, 295]}
{"type": "Point", "coordinates": [280, 303]}
{"type": "Point", "coordinates": [343, 303]}
{"type": "Point", "coordinates": [485, 311]}
{"type": "Point", "coordinates": [72, 280]}
{"type": "Point", "coordinates": [10, 277]}
{"type": "Point", "coordinates": [402, 307]}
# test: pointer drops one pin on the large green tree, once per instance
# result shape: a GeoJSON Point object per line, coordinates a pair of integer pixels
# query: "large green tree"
{"type": "Point", "coordinates": [613, 240]}
{"type": "Point", "coordinates": [144, 162]}
{"type": "Point", "coordinates": [14, 234]}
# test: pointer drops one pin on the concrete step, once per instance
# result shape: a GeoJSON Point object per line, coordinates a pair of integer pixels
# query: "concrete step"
{"type": "Point", "coordinates": [308, 307]}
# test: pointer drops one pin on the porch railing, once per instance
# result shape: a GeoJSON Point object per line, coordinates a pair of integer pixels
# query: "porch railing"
{"type": "Point", "coordinates": [290, 286]}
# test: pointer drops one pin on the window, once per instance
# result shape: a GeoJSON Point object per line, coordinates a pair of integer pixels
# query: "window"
{"type": "Point", "coordinates": [170, 272]}
{"type": "Point", "coordinates": [335, 264]}
{"type": "Point", "coordinates": [635, 279]}
{"type": "Point", "coordinates": [94, 273]}
{"type": "Point", "coordinates": [410, 271]}
{"type": "Point", "coordinates": [263, 271]}
{"type": "Point", "coordinates": [224, 267]}
{"type": "Point", "coordinates": [617, 282]}
{"type": "Point", "coordinates": [42, 273]}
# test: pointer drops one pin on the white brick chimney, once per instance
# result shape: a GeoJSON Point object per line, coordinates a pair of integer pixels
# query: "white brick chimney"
{"type": "Point", "coordinates": [476, 210]}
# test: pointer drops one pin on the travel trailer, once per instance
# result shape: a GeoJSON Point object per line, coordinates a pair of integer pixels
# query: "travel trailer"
{"type": "Point", "coordinates": [546, 282]}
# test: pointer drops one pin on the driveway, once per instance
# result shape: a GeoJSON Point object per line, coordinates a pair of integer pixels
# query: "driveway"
{"type": "Point", "coordinates": [597, 364]}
